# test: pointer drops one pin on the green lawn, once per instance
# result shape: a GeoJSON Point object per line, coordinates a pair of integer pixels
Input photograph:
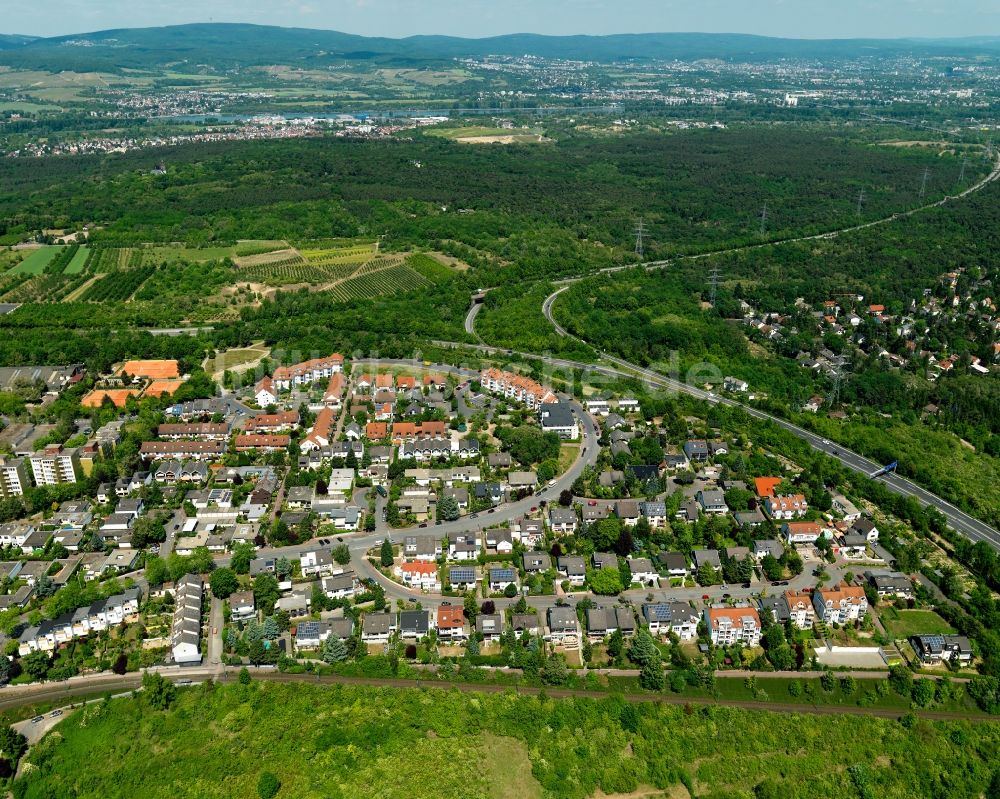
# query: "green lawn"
{"type": "Point", "coordinates": [35, 263]}
{"type": "Point", "coordinates": [904, 623]}
{"type": "Point", "coordinates": [76, 265]}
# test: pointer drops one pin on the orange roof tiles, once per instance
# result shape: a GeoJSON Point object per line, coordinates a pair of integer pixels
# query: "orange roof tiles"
{"type": "Point", "coordinates": [376, 431]}
{"type": "Point", "coordinates": [425, 567]}
{"type": "Point", "coordinates": [766, 485]}
{"type": "Point", "coordinates": [154, 370]}
{"type": "Point", "coordinates": [735, 615]}
{"type": "Point", "coordinates": [450, 617]}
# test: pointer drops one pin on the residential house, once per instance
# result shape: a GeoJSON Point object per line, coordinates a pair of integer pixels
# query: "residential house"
{"type": "Point", "coordinates": [558, 418]}
{"type": "Point", "coordinates": [462, 578]}
{"type": "Point", "coordinates": [500, 577]}
{"type": "Point", "coordinates": [563, 627]}
{"type": "Point", "coordinates": [627, 510]}
{"type": "Point", "coordinates": [890, 584]}
{"type": "Point", "coordinates": [866, 528]}
{"type": "Point", "coordinates": [800, 609]}
{"type": "Point", "coordinates": [242, 607]}
{"type": "Point", "coordinates": [562, 520]}
{"type": "Point", "coordinates": [377, 627]}
{"type": "Point", "coordinates": [933, 649]}
{"type": "Point", "coordinates": [727, 626]}
{"type": "Point", "coordinates": [490, 626]}
{"type": "Point", "coordinates": [675, 564]}
{"type": "Point", "coordinates": [840, 604]}
{"type": "Point", "coordinates": [643, 571]}
{"type": "Point", "coordinates": [654, 512]}
{"type": "Point", "coordinates": [451, 623]}
{"type": "Point", "coordinates": [185, 632]}
{"type": "Point", "coordinates": [574, 568]}
{"type": "Point", "coordinates": [664, 618]}
{"type": "Point", "coordinates": [420, 574]}
{"type": "Point", "coordinates": [340, 586]}
{"type": "Point", "coordinates": [801, 532]}
{"type": "Point", "coordinates": [414, 624]}
{"type": "Point", "coordinates": [786, 507]}
{"type": "Point", "coordinates": [696, 451]}
{"type": "Point", "coordinates": [602, 622]}
{"type": "Point", "coordinates": [712, 501]}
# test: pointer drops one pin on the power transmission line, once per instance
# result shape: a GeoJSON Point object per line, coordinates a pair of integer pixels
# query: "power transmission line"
{"type": "Point", "coordinates": [713, 284]}
{"type": "Point", "coordinates": [923, 182]}
{"type": "Point", "coordinates": [763, 218]}
{"type": "Point", "coordinates": [861, 201]}
{"type": "Point", "coordinates": [961, 174]}
{"type": "Point", "coordinates": [640, 230]}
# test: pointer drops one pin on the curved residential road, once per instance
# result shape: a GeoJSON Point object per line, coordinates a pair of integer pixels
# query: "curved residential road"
{"type": "Point", "coordinates": [960, 521]}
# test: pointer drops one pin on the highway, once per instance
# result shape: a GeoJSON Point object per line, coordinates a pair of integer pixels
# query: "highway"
{"type": "Point", "coordinates": [962, 522]}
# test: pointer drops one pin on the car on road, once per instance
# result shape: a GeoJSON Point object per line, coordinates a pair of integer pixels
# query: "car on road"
{"type": "Point", "coordinates": [411, 599]}
{"type": "Point", "coordinates": [37, 719]}
{"type": "Point", "coordinates": [727, 596]}
{"type": "Point", "coordinates": [491, 510]}
{"type": "Point", "coordinates": [705, 596]}
{"type": "Point", "coordinates": [474, 516]}
{"type": "Point", "coordinates": [746, 585]}
{"type": "Point", "coordinates": [534, 508]}
{"type": "Point", "coordinates": [55, 714]}
{"type": "Point", "coordinates": [437, 522]}
{"type": "Point", "coordinates": [422, 524]}
{"type": "Point", "coordinates": [340, 538]}
{"type": "Point", "coordinates": [592, 502]}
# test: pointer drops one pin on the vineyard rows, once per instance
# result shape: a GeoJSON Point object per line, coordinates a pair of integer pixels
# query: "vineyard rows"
{"type": "Point", "coordinates": [118, 286]}
{"type": "Point", "coordinates": [380, 263]}
{"type": "Point", "coordinates": [374, 284]}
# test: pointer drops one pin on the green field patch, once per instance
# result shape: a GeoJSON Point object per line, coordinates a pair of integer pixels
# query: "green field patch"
{"type": "Point", "coordinates": [78, 262]}
{"type": "Point", "coordinates": [904, 623]}
{"type": "Point", "coordinates": [35, 263]}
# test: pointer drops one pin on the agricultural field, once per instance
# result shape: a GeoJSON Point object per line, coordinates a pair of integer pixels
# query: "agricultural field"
{"type": "Point", "coordinates": [36, 262]}
{"type": "Point", "coordinates": [78, 262]}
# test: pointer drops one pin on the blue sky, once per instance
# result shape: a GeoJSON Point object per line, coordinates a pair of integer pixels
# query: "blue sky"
{"type": "Point", "coordinates": [796, 18]}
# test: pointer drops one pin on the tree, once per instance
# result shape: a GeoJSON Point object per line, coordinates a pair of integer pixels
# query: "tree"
{"type": "Point", "coordinates": [342, 554]}
{"type": "Point", "coordinates": [120, 665]}
{"type": "Point", "coordinates": [44, 587]}
{"type": "Point", "coordinates": [242, 555]}
{"type": "Point", "coordinates": [271, 628]}
{"type": "Point", "coordinates": [565, 497]}
{"type": "Point", "coordinates": [473, 648]}
{"type": "Point", "coordinates": [283, 568]}
{"type": "Point", "coordinates": [266, 591]}
{"type": "Point", "coordinates": [148, 530]}
{"type": "Point", "coordinates": [223, 583]}
{"type": "Point", "coordinates": [706, 575]}
{"type": "Point", "coordinates": [5, 667]}
{"type": "Point", "coordinates": [616, 644]}
{"type": "Point", "coordinates": [923, 692]}
{"type": "Point", "coordinates": [257, 652]}
{"type": "Point", "coordinates": [470, 608]}
{"type": "Point", "coordinates": [268, 785]}
{"type": "Point", "coordinates": [245, 678]}
{"type": "Point", "coordinates": [158, 690]}
{"type": "Point", "coordinates": [643, 648]}
{"type": "Point", "coordinates": [772, 567]}
{"type": "Point", "coordinates": [334, 650]}
{"type": "Point", "coordinates": [12, 743]}
{"type": "Point", "coordinates": [651, 675]}
{"type": "Point", "coordinates": [554, 672]}
{"type": "Point", "coordinates": [386, 553]}
{"type": "Point", "coordinates": [606, 581]}
{"type": "Point", "coordinates": [447, 509]}
{"type": "Point", "coordinates": [588, 651]}
{"type": "Point", "coordinates": [510, 591]}
{"type": "Point", "coordinates": [156, 570]}
{"type": "Point", "coordinates": [901, 680]}
{"type": "Point", "coordinates": [35, 664]}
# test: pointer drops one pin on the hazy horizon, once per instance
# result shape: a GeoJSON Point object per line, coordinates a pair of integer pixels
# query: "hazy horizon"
{"type": "Point", "coordinates": [800, 19]}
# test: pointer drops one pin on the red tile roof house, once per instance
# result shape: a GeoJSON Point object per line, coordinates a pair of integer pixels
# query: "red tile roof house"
{"type": "Point", "coordinates": [265, 393]}
{"type": "Point", "coordinates": [307, 372]}
{"type": "Point", "coordinates": [451, 622]}
{"type": "Point", "coordinates": [786, 507]}
{"type": "Point", "coordinates": [321, 432]}
{"type": "Point", "coordinates": [420, 574]}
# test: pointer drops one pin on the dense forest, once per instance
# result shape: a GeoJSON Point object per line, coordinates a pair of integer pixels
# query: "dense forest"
{"type": "Point", "coordinates": [549, 209]}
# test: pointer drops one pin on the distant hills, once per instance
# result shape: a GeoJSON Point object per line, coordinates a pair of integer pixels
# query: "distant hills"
{"type": "Point", "coordinates": [223, 46]}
